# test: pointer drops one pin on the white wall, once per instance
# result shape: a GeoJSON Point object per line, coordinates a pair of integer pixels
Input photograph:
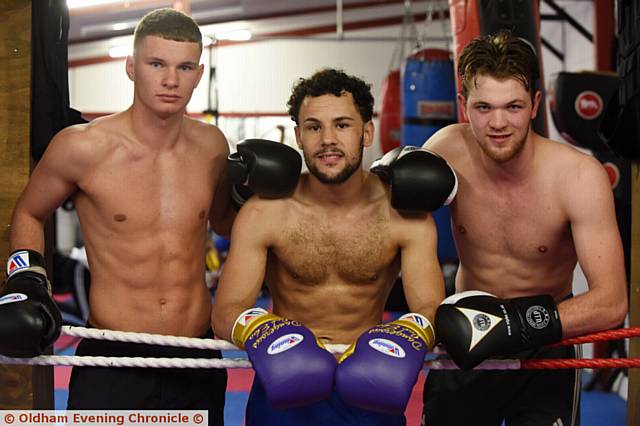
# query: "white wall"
{"type": "Point", "coordinates": [254, 77]}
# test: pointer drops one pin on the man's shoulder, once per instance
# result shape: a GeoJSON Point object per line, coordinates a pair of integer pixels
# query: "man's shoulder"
{"type": "Point", "coordinates": [264, 218]}
{"type": "Point", "coordinates": [203, 131]}
{"type": "Point", "coordinates": [566, 155]}
{"type": "Point", "coordinates": [205, 140]}
{"type": "Point", "coordinates": [572, 167]}
{"type": "Point", "coordinates": [450, 141]}
{"type": "Point", "coordinates": [81, 139]}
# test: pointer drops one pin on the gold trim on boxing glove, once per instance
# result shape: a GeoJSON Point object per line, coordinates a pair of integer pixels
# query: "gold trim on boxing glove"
{"type": "Point", "coordinates": [421, 325]}
{"type": "Point", "coordinates": [242, 322]}
{"type": "Point", "coordinates": [346, 354]}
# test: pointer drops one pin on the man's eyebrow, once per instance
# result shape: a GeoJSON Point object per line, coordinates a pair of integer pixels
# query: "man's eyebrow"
{"type": "Point", "coordinates": [341, 118]}
{"type": "Point", "coordinates": [511, 102]}
{"type": "Point", "coordinates": [156, 59]}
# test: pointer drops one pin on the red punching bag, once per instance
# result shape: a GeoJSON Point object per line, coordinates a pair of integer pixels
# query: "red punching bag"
{"type": "Point", "coordinates": [391, 112]}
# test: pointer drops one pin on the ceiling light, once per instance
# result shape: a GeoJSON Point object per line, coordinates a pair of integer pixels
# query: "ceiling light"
{"type": "Point", "coordinates": [77, 4]}
{"type": "Point", "coordinates": [121, 51]}
{"type": "Point", "coordinates": [235, 35]}
{"type": "Point", "coordinates": [119, 26]}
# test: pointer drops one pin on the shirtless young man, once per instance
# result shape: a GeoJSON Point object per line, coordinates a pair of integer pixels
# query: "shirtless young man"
{"type": "Point", "coordinates": [145, 183]}
{"type": "Point", "coordinates": [527, 210]}
{"type": "Point", "coordinates": [329, 255]}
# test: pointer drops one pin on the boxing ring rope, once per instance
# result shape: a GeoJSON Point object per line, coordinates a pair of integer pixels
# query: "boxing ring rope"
{"type": "Point", "coordinates": [601, 336]}
{"type": "Point", "coordinates": [441, 364]}
{"type": "Point", "coordinates": [104, 361]}
{"type": "Point", "coordinates": [216, 344]}
{"type": "Point", "coordinates": [159, 339]}
{"type": "Point", "coordinates": [190, 342]}
{"type": "Point", "coordinates": [148, 338]}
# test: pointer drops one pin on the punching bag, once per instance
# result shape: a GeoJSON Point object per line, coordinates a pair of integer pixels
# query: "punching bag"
{"type": "Point", "coordinates": [429, 103]}
{"type": "Point", "coordinates": [577, 102]}
{"type": "Point", "coordinates": [428, 95]}
{"type": "Point", "coordinates": [473, 18]}
{"type": "Point", "coordinates": [50, 110]}
{"type": "Point", "coordinates": [391, 112]}
{"type": "Point", "coordinates": [621, 126]}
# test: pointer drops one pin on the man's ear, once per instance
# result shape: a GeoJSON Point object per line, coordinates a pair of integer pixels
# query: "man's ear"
{"type": "Point", "coordinates": [536, 104]}
{"type": "Point", "coordinates": [462, 105]}
{"type": "Point", "coordinates": [296, 130]}
{"type": "Point", "coordinates": [200, 72]}
{"type": "Point", "coordinates": [367, 134]}
{"type": "Point", "coordinates": [130, 69]}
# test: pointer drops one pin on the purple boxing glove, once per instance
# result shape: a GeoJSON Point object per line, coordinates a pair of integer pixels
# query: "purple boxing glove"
{"type": "Point", "coordinates": [292, 366]}
{"type": "Point", "coordinates": [378, 372]}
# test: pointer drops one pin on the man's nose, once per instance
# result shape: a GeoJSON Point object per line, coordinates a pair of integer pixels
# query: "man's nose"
{"type": "Point", "coordinates": [328, 135]}
{"type": "Point", "coordinates": [498, 119]}
{"type": "Point", "coordinates": [171, 79]}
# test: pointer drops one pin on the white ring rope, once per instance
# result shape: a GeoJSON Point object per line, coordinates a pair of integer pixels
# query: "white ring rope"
{"type": "Point", "coordinates": [148, 338]}
{"type": "Point", "coordinates": [190, 342]}
{"type": "Point", "coordinates": [159, 339]}
{"type": "Point", "coordinates": [103, 361]}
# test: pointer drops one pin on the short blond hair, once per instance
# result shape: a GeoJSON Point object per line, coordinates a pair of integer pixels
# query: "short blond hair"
{"type": "Point", "coordinates": [169, 24]}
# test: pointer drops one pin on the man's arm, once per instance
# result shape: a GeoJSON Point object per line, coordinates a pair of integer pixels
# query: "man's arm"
{"type": "Point", "coordinates": [589, 203]}
{"type": "Point", "coordinates": [53, 180]}
{"type": "Point", "coordinates": [288, 360]}
{"type": "Point", "coordinates": [244, 269]}
{"type": "Point", "coordinates": [387, 358]}
{"type": "Point", "coordinates": [422, 278]}
{"type": "Point", "coordinates": [221, 214]}
{"type": "Point", "coordinates": [31, 320]}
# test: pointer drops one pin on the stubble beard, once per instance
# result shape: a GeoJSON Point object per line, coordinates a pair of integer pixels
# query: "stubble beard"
{"type": "Point", "coordinates": [348, 170]}
{"type": "Point", "coordinates": [504, 155]}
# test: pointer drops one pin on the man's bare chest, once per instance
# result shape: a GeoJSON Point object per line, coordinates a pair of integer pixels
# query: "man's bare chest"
{"type": "Point", "coordinates": [352, 251]}
{"type": "Point", "coordinates": [524, 223]}
{"type": "Point", "coordinates": [149, 195]}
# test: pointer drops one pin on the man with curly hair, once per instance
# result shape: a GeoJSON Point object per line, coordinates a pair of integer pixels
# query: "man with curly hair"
{"type": "Point", "coordinates": [330, 254]}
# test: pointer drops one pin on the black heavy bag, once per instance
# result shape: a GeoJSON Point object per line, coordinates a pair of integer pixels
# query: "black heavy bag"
{"type": "Point", "coordinates": [50, 111]}
{"type": "Point", "coordinates": [620, 127]}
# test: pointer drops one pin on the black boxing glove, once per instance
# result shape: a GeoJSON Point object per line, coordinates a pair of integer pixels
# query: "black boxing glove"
{"type": "Point", "coordinates": [269, 169]}
{"type": "Point", "coordinates": [420, 179]}
{"type": "Point", "coordinates": [29, 318]}
{"type": "Point", "coordinates": [474, 325]}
